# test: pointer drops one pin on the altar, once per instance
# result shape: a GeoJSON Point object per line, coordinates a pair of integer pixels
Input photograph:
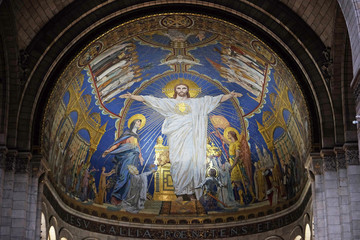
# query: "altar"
{"type": "Point", "coordinates": [163, 184]}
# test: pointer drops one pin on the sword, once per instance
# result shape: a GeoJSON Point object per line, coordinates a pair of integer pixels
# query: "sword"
{"type": "Point", "coordinates": [217, 199]}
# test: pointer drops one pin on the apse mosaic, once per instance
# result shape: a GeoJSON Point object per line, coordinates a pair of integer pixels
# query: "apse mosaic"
{"type": "Point", "coordinates": [176, 114]}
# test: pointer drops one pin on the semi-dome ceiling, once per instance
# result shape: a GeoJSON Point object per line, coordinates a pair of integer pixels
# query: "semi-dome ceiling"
{"type": "Point", "coordinates": [85, 115]}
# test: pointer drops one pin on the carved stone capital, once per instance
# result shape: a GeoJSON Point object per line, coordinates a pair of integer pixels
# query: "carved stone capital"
{"type": "Point", "coordinates": [3, 152]}
{"type": "Point", "coordinates": [340, 158]}
{"type": "Point", "coordinates": [22, 164]}
{"type": "Point", "coordinates": [351, 154]}
{"type": "Point", "coordinates": [329, 160]}
{"type": "Point", "coordinates": [315, 164]}
{"type": "Point", "coordinates": [10, 160]}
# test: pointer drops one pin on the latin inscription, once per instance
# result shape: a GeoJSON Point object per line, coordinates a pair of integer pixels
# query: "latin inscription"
{"type": "Point", "coordinates": [213, 233]}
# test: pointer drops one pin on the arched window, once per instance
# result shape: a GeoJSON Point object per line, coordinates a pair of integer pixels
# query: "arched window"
{"type": "Point", "coordinates": [52, 233]}
{"type": "Point", "coordinates": [307, 232]}
{"type": "Point", "coordinates": [43, 227]}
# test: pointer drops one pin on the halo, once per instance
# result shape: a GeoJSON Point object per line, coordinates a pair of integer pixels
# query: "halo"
{"type": "Point", "coordinates": [208, 171]}
{"type": "Point", "coordinates": [137, 116]}
{"type": "Point", "coordinates": [194, 89]}
{"type": "Point", "coordinates": [228, 129]}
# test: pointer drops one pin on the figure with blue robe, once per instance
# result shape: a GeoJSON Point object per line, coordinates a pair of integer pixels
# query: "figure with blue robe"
{"type": "Point", "coordinates": [126, 151]}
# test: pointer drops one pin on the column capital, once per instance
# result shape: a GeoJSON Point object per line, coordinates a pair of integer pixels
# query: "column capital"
{"type": "Point", "coordinates": [351, 153]}
{"type": "Point", "coordinates": [22, 164]}
{"type": "Point", "coordinates": [3, 152]}
{"type": "Point", "coordinates": [329, 160]}
{"type": "Point", "coordinates": [10, 160]}
{"type": "Point", "coordinates": [340, 158]}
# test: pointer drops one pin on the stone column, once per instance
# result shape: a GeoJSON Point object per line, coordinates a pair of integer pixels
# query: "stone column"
{"type": "Point", "coordinates": [39, 173]}
{"type": "Point", "coordinates": [353, 175]}
{"type": "Point", "coordinates": [3, 152]}
{"type": "Point", "coordinates": [39, 210]}
{"type": "Point", "coordinates": [32, 208]}
{"type": "Point", "coordinates": [320, 222]}
{"type": "Point", "coordinates": [331, 200]}
{"type": "Point", "coordinates": [7, 199]}
{"type": "Point", "coordinates": [20, 201]}
{"type": "Point", "coordinates": [344, 200]}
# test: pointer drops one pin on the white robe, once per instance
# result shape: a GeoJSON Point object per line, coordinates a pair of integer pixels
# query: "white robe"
{"type": "Point", "coordinates": [186, 133]}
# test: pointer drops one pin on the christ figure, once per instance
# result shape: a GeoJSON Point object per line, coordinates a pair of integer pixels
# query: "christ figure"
{"type": "Point", "coordinates": [185, 126]}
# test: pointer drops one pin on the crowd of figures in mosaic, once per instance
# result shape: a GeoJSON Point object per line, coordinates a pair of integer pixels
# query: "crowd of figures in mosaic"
{"type": "Point", "coordinates": [116, 136]}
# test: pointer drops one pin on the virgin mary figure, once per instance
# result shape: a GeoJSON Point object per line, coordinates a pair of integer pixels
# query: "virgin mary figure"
{"type": "Point", "coordinates": [126, 151]}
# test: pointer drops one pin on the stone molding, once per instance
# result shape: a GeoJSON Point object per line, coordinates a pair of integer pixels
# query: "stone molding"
{"type": "Point", "coordinates": [162, 230]}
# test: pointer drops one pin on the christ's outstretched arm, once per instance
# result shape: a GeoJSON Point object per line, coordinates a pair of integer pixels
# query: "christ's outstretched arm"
{"type": "Point", "coordinates": [141, 99]}
{"type": "Point", "coordinates": [133, 97]}
{"type": "Point", "coordinates": [230, 95]}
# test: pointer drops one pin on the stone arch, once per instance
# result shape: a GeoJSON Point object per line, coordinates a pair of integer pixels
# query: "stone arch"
{"type": "Point", "coordinates": [54, 59]}
{"type": "Point", "coordinates": [297, 231]}
{"type": "Point", "coordinates": [306, 219]}
{"type": "Point", "coordinates": [63, 232]}
{"type": "Point", "coordinates": [34, 134]}
{"type": "Point", "coordinates": [52, 235]}
{"type": "Point", "coordinates": [274, 238]}
{"type": "Point", "coordinates": [307, 223]}
{"type": "Point", "coordinates": [340, 79]}
{"type": "Point", "coordinates": [54, 222]}
{"type": "Point", "coordinates": [45, 211]}
{"type": "Point", "coordinates": [43, 226]}
{"type": "Point", "coordinates": [351, 13]}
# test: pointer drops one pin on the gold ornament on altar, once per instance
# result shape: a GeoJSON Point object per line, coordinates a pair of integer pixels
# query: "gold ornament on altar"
{"type": "Point", "coordinates": [194, 89]}
{"type": "Point", "coordinates": [212, 150]}
{"type": "Point", "coordinates": [161, 152]}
